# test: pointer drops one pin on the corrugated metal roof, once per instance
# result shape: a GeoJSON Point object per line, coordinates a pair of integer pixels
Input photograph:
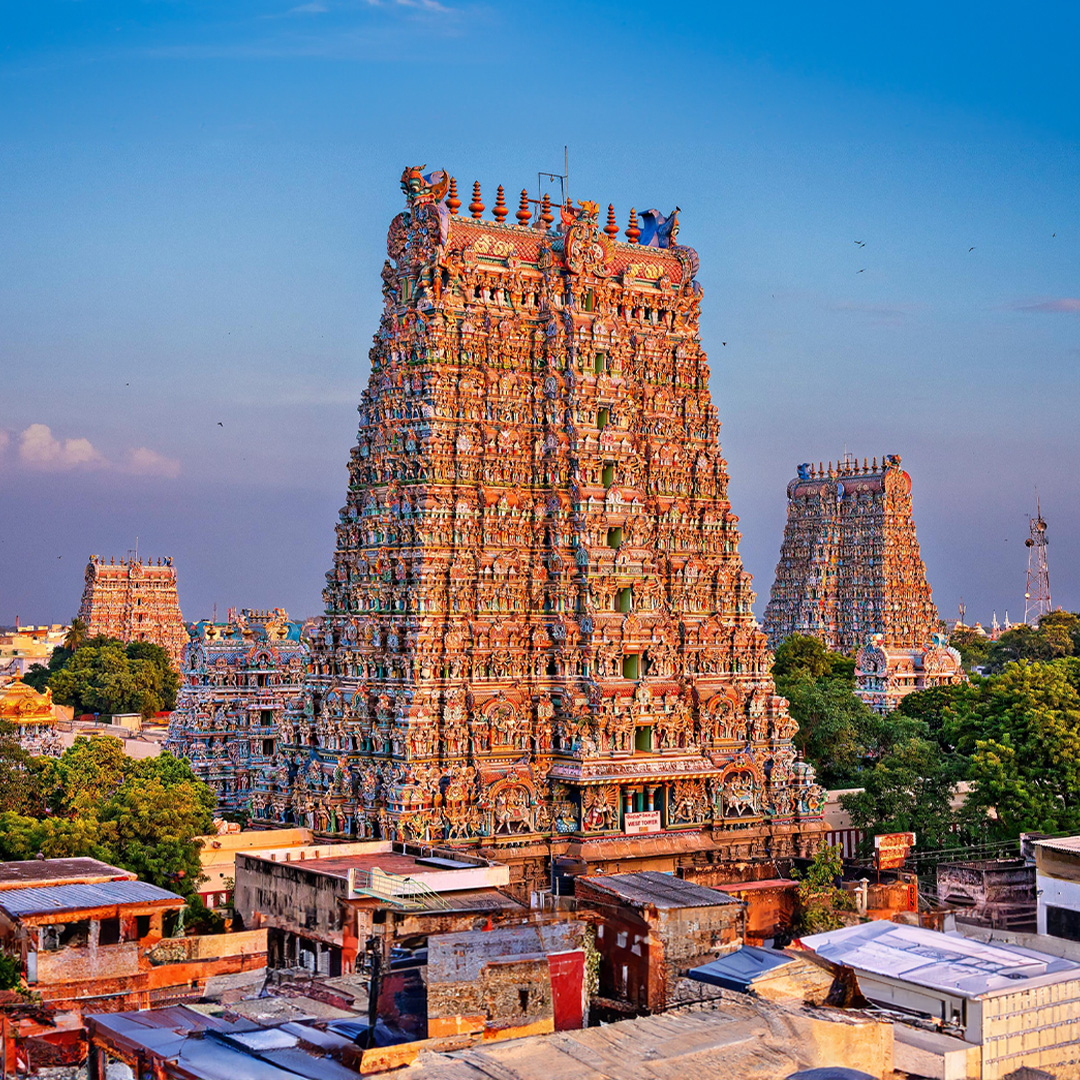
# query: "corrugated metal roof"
{"type": "Point", "coordinates": [1070, 844]}
{"type": "Point", "coordinates": [26, 872]}
{"type": "Point", "coordinates": [945, 962]}
{"type": "Point", "coordinates": [47, 898]}
{"type": "Point", "coordinates": [739, 969]}
{"type": "Point", "coordinates": [658, 889]}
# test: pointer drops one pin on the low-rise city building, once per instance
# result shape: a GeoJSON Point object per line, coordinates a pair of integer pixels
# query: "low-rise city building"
{"type": "Point", "coordinates": [22, 647]}
{"type": "Point", "coordinates": [323, 904]}
{"type": "Point", "coordinates": [999, 893]}
{"type": "Point", "coordinates": [508, 982]}
{"type": "Point", "coordinates": [90, 936]}
{"type": "Point", "coordinates": [1018, 1006]}
{"type": "Point", "coordinates": [655, 927]}
{"type": "Point", "coordinates": [1057, 886]}
{"type": "Point", "coordinates": [219, 851]}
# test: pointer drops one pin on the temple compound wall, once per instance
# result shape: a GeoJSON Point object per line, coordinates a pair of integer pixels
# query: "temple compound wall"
{"type": "Point", "coordinates": [850, 573]}
{"type": "Point", "coordinates": [134, 601]}
{"type": "Point", "coordinates": [238, 680]}
{"type": "Point", "coordinates": [538, 638]}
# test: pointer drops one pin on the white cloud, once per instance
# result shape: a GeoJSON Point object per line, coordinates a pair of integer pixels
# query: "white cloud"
{"type": "Point", "coordinates": [1063, 304]}
{"type": "Point", "coordinates": [147, 462]}
{"type": "Point", "coordinates": [39, 449]}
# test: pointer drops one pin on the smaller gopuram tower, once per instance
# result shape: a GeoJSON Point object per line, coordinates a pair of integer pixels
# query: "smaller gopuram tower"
{"type": "Point", "coordinates": [238, 680]}
{"type": "Point", "coordinates": [134, 601]}
{"type": "Point", "coordinates": [850, 566]}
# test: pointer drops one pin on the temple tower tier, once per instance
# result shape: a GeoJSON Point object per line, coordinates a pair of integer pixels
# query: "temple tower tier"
{"type": "Point", "coordinates": [538, 633]}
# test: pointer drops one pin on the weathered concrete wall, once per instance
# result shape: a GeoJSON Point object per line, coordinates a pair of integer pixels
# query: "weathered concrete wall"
{"type": "Point", "coordinates": [510, 998]}
{"type": "Point", "coordinates": [1038, 1027]}
{"type": "Point", "coordinates": [286, 895]}
{"type": "Point", "coordinates": [645, 952]}
{"type": "Point", "coordinates": [208, 947]}
{"type": "Point", "coordinates": [84, 964]}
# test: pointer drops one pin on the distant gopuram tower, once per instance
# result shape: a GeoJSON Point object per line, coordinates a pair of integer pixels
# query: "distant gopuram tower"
{"type": "Point", "coordinates": [538, 636]}
{"type": "Point", "coordinates": [134, 601]}
{"type": "Point", "coordinates": [850, 566]}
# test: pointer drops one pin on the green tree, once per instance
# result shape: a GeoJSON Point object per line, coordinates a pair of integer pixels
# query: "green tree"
{"type": "Point", "coordinates": [23, 837]}
{"type": "Point", "coordinates": [932, 707]}
{"type": "Point", "coordinates": [156, 829]}
{"type": "Point", "coordinates": [910, 790]}
{"type": "Point", "coordinates": [20, 774]}
{"type": "Point", "coordinates": [1022, 730]}
{"type": "Point", "coordinates": [86, 775]}
{"type": "Point", "coordinates": [1056, 637]}
{"type": "Point", "coordinates": [166, 681]}
{"type": "Point", "coordinates": [77, 635]}
{"type": "Point", "coordinates": [972, 646]}
{"type": "Point", "coordinates": [801, 657]}
{"type": "Point", "coordinates": [821, 899]}
{"type": "Point", "coordinates": [106, 676]}
{"type": "Point", "coordinates": [10, 972]}
{"type": "Point", "coordinates": [839, 734]}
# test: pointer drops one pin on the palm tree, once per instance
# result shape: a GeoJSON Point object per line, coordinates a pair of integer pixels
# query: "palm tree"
{"type": "Point", "coordinates": [77, 635]}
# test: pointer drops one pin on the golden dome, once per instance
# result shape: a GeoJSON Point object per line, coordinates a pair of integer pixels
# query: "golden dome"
{"type": "Point", "coordinates": [22, 704]}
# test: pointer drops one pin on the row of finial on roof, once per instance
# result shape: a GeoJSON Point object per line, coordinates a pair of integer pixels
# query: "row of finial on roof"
{"type": "Point", "coordinates": [848, 468]}
{"type": "Point", "coordinates": [100, 561]}
{"type": "Point", "coordinates": [524, 214]}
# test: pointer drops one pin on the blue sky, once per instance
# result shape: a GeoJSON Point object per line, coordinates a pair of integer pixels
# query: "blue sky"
{"type": "Point", "coordinates": [193, 207]}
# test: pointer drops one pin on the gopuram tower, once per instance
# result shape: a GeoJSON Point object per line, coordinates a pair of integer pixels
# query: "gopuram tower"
{"type": "Point", "coordinates": [134, 600]}
{"type": "Point", "coordinates": [850, 567]}
{"type": "Point", "coordinates": [538, 636]}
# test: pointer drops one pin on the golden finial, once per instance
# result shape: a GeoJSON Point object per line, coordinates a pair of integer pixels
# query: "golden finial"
{"type": "Point", "coordinates": [612, 227]}
{"type": "Point", "coordinates": [499, 211]}
{"type": "Point", "coordinates": [476, 207]}
{"type": "Point", "coordinates": [546, 216]}
{"type": "Point", "coordinates": [453, 203]}
{"type": "Point", "coordinates": [523, 212]}
{"type": "Point", "coordinates": [632, 230]}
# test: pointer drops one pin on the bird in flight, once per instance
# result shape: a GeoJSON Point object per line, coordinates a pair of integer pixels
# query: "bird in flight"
{"type": "Point", "coordinates": [861, 243]}
{"type": "Point", "coordinates": [220, 424]}
{"type": "Point", "coordinates": [970, 250]}
{"type": "Point", "coordinates": [723, 342]}
{"type": "Point", "coordinates": [863, 270]}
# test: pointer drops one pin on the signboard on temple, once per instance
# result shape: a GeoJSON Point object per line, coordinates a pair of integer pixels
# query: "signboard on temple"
{"type": "Point", "coordinates": [641, 821]}
{"type": "Point", "coordinates": [891, 849]}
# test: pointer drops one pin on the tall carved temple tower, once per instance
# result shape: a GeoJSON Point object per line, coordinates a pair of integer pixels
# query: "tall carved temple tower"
{"type": "Point", "coordinates": [134, 601]}
{"type": "Point", "coordinates": [538, 634]}
{"type": "Point", "coordinates": [850, 565]}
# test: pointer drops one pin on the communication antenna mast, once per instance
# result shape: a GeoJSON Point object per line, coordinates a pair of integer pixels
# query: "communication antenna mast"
{"type": "Point", "coordinates": [1037, 595]}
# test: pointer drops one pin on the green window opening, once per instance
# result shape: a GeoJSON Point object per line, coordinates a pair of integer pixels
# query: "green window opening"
{"type": "Point", "coordinates": [614, 538]}
{"type": "Point", "coordinates": [602, 418]}
{"type": "Point", "coordinates": [600, 363]}
{"type": "Point", "coordinates": [643, 741]}
{"type": "Point", "coordinates": [624, 600]}
{"type": "Point", "coordinates": [607, 477]}
{"type": "Point", "coordinates": [631, 665]}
